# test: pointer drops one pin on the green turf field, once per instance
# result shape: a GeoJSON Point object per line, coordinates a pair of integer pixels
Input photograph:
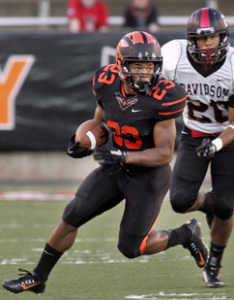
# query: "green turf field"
{"type": "Point", "coordinates": [93, 268]}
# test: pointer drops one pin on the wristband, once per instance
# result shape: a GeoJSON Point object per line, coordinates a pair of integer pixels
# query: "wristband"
{"type": "Point", "coordinates": [231, 126]}
{"type": "Point", "coordinates": [218, 143]}
{"type": "Point", "coordinates": [92, 140]}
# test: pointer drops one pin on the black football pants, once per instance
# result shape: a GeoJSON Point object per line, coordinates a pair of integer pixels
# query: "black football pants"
{"type": "Point", "coordinates": [143, 189]}
{"type": "Point", "coordinates": [190, 170]}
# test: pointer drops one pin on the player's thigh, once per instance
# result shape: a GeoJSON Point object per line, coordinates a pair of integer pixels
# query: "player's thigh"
{"type": "Point", "coordinates": [96, 194]}
{"type": "Point", "coordinates": [188, 173]}
{"type": "Point", "coordinates": [144, 196]}
{"type": "Point", "coordinates": [222, 173]}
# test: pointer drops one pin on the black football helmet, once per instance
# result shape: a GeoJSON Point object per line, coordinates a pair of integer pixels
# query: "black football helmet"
{"type": "Point", "coordinates": [138, 46]}
{"type": "Point", "coordinates": [207, 22]}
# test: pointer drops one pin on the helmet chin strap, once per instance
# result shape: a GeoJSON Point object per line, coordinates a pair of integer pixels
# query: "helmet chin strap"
{"type": "Point", "coordinates": [143, 86]}
{"type": "Point", "coordinates": [140, 86]}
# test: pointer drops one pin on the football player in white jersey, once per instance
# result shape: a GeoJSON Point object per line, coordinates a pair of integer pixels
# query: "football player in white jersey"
{"type": "Point", "coordinates": [204, 65]}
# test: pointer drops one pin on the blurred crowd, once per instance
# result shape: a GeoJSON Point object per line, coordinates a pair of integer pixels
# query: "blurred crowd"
{"type": "Point", "coordinates": [92, 16]}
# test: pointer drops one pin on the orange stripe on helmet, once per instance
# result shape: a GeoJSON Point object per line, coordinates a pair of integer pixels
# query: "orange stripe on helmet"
{"type": "Point", "coordinates": [136, 38]}
{"type": "Point", "coordinates": [150, 39]}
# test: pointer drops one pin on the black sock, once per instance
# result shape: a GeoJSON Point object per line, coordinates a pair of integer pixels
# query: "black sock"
{"type": "Point", "coordinates": [48, 260]}
{"type": "Point", "coordinates": [216, 253]}
{"type": "Point", "coordinates": [178, 236]}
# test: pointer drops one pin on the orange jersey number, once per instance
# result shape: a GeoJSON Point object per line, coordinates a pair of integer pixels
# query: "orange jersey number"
{"type": "Point", "coordinates": [158, 93]}
{"type": "Point", "coordinates": [131, 143]}
{"type": "Point", "coordinates": [107, 79]}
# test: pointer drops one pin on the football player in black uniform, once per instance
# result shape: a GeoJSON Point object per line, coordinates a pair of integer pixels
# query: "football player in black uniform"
{"type": "Point", "coordinates": [140, 110]}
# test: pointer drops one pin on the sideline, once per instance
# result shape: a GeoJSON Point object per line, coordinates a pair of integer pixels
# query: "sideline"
{"type": "Point", "coordinates": [36, 196]}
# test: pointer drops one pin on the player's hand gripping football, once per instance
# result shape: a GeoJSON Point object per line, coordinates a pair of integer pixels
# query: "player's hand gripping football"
{"type": "Point", "coordinates": [206, 149]}
{"type": "Point", "coordinates": [109, 157]}
{"type": "Point", "coordinates": [75, 151]}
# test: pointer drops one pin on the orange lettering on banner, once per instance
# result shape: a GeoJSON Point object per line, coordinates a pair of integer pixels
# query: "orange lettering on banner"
{"type": "Point", "coordinates": [11, 80]}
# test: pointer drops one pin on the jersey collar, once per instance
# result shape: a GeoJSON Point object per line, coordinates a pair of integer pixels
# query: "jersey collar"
{"type": "Point", "coordinates": [198, 67]}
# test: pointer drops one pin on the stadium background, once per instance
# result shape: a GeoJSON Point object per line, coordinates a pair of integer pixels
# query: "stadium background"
{"type": "Point", "coordinates": [54, 93]}
{"type": "Point", "coordinates": [53, 97]}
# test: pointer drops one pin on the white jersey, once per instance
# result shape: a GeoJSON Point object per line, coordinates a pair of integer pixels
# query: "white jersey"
{"type": "Point", "coordinates": [208, 96]}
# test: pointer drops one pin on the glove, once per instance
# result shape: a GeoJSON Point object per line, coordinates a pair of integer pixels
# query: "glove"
{"type": "Point", "coordinates": [206, 149]}
{"type": "Point", "coordinates": [74, 151]}
{"type": "Point", "coordinates": [109, 157]}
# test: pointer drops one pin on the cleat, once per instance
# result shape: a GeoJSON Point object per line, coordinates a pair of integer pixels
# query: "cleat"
{"type": "Point", "coordinates": [212, 277]}
{"type": "Point", "coordinates": [196, 245]}
{"type": "Point", "coordinates": [28, 282]}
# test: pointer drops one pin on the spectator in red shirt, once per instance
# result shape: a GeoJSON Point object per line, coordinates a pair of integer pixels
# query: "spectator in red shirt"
{"type": "Point", "coordinates": [87, 16]}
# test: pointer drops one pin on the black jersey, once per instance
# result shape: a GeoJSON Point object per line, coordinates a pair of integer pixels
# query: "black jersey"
{"type": "Point", "coordinates": [132, 117]}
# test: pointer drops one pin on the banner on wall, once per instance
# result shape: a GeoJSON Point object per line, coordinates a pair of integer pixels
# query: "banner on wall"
{"type": "Point", "coordinates": [46, 85]}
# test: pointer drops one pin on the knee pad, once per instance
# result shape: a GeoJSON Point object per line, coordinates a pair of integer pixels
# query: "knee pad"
{"type": "Point", "coordinates": [181, 201]}
{"type": "Point", "coordinates": [223, 208]}
{"type": "Point", "coordinates": [129, 245]}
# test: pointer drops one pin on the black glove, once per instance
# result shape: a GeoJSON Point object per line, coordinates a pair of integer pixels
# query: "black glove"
{"type": "Point", "coordinates": [206, 149]}
{"type": "Point", "coordinates": [109, 157]}
{"type": "Point", "coordinates": [74, 151]}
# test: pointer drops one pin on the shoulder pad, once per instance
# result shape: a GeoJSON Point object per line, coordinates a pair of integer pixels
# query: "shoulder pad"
{"type": "Point", "coordinates": [104, 76]}
{"type": "Point", "coordinates": [171, 53]}
{"type": "Point", "coordinates": [172, 99]}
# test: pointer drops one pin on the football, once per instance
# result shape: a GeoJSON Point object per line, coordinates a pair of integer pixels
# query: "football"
{"type": "Point", "coordinates": [91, 134]}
